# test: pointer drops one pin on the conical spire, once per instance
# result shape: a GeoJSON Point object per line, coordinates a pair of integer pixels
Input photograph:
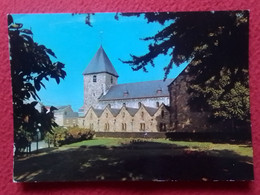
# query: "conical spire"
{"type": "Point", "coordinates": [100, 63]}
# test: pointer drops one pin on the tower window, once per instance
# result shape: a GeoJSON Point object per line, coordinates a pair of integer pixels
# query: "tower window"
{"type": "Point", "coordinates": [95, 78]}
{"type": "Point", "coordinates": [111, 79]}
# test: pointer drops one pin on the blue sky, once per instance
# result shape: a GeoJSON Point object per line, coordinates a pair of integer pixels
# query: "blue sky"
{"type": "Point", "coordinates": [75, 43]}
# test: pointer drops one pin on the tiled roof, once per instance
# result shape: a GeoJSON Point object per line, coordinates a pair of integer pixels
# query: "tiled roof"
{"type": "Point", "coordinates": [146, 89]}
{"type": "Point", "coordinates": [100, 63]}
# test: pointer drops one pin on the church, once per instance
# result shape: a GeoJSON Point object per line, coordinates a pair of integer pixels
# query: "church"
{"type": "Point", "coordinates": [128, 107]}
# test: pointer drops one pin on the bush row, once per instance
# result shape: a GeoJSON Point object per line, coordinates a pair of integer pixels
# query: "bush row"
{"type": "Point", "coordinates": [61, 136]}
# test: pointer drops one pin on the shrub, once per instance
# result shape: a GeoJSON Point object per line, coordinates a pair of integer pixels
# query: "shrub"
{"type": "Point", "coordinates": [61, 135]}
{"type": "Point", "coordinates": [80, 133]}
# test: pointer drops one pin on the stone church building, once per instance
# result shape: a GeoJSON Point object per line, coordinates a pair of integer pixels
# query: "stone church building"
{"type": "Point", "coordinates": [130, 107]}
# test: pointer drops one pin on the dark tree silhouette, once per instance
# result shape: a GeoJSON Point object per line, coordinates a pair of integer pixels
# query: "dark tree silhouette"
{"type": "Point", "coordinates": [216, 46]}
{"type": "Point", "coordinates": [31, 64]}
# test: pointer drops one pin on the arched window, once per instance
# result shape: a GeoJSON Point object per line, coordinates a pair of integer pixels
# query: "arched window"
{"type": "Point", "coordinates": [162, 127]}
{"type": "Point", "coordinates": [106, 126]}
{"type": "Point", "coordinates": [95, 78]}
{"type": "Point", "coordinates": [106, 115]}
{"type": "Point", "coordinates": [123, 115]}
{"type": "Point", "coordinates": [111, 79]}
{"type": "Point", "coordinates": [142, 126]}
{"type": "Point", "coordinates": [142, 115]}
{"type": "Point", "coordinates": [162, 113]}
{"type": "Point", "coordinates": [124, 126]}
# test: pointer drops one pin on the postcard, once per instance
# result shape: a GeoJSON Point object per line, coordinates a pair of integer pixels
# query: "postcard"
{"type": "Point", "coordinates": [151, 96]}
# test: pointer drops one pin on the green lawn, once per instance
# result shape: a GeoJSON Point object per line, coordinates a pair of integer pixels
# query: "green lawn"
{"type": "Point", "coordinates": [137, 159]}
{"type": "Point", "coordinates": [240, 149]}
{"type": "Point", "coordinates": [100, 142]}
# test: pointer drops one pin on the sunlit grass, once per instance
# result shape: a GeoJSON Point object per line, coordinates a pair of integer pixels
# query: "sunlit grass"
{"type": "Point", "coordinates": [240, 149]}
{"type": "Point", "coordinates": [100, 142]}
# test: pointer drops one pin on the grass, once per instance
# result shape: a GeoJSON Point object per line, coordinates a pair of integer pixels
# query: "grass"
{"type": "Point", "coordinates": [143, 159]}
{"type": "Point", "coordinates": [100, 142]}
{"type": "Point", "coordinates": [240, 149]}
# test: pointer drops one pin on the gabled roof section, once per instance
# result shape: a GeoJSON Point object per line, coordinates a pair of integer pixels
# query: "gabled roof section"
{"type": "Point", "coordinates": [100, 63]}
{"type": "Point", "coordinates": [98, 112]}
{"type": "Point", "coordinates": [145, 89]}
{"type": "Point", "coordinates": [114, 111]}
{"type": "Point", "coordinates": [132, 111]}
{"type": "Point", "coordinates": [151, 110]}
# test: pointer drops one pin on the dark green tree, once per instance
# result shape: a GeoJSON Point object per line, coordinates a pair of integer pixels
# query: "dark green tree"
{"type": "Point", "coordinates": [216, 46]}
{"type": "Point", "coordinates": [31, 64]}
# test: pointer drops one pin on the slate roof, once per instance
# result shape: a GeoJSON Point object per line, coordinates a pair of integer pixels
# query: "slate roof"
{"type": "Point", "coordinates": [151, 110]}
{"type": "Point", "coordinates": [114, 111]}
{"type": "Point", "coordinates": [98, 111]}
{"type": "Point", "coordinates": [132, 111]}
{"type": "Point", "coordinates": [100, 63]}
{"type": "Point", "coordinates": [61, 108]}
{"type": "Point", "coordinates": [157, 88]}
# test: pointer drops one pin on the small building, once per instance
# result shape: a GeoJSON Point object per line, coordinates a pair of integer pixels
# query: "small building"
{"type": "Point", "coordinates": [65, 116]}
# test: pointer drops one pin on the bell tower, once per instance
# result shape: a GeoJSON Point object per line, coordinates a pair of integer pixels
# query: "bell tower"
{"type": "Point", "coordinates": [99, 76]}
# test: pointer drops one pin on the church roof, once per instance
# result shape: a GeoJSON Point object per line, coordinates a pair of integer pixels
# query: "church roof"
{"type": "Point", "coordinates": [158, 88]}
{"type": "Point", "coordinates": [100, 63]}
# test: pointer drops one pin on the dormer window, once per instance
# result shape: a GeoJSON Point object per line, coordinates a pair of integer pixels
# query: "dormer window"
{"type": "Point", "coordinates": [94, 78]}
{"type": "Point", "coordinates": [125, 93]}
{"type": "Point", "coordinates": [159, 91]}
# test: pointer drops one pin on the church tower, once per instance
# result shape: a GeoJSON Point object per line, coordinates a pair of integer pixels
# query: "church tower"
{"type": "Point", "coordinates": [99, 76]}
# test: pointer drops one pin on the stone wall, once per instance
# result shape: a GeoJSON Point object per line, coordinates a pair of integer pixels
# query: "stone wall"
{"type": "Point", "coordinates": [123, 121]}
{"type": "Point", "coordinates": [182, 117]}
{"type": "Point", "coordinates": [93, 90]}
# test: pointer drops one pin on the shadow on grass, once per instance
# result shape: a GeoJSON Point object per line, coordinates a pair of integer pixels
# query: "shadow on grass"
{"type": "Point", "coordinates": [134, 161]}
